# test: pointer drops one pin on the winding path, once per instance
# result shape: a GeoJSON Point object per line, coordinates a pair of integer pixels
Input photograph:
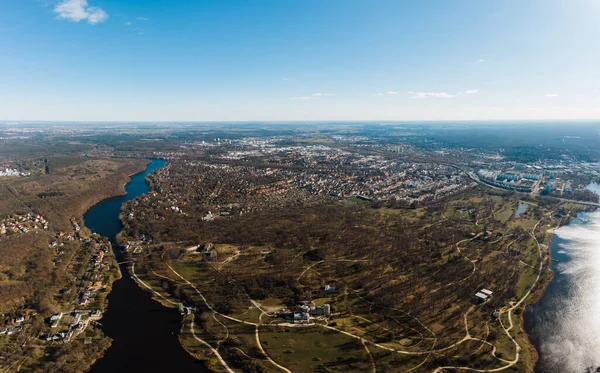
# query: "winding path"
{"type": "Point", "coordinates": [507, 309]}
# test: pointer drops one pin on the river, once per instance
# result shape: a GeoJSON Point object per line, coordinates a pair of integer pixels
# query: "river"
{"type": "Point", "coordinates": [564, 325]}
{"type": "Point", "coordinates": [144, 332]}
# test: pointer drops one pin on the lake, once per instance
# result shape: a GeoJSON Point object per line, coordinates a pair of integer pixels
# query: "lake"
{"type": "Point", "coordinates": [564, 326]}
{"type": "Point", "coordinates": [521, 209]}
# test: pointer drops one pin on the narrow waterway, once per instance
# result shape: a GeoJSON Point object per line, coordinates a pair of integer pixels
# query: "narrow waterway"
{"type": "Point", "coordinates": [564, 326]}
{"type": "Point", "coordinates": [144, 332]}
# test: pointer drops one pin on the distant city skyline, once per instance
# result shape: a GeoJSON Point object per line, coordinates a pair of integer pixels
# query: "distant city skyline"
{"type": "Point", "coordinates": [267, 60]}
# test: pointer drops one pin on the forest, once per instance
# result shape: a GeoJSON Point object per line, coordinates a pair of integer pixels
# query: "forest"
{"type": "Point", "coordinates": [41, 269]}
{"type": "Point", "coordinates": [401, 274]}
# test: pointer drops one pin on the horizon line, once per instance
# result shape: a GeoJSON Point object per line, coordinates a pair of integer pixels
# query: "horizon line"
{"type": "Point", "coordinates": [7, 121]}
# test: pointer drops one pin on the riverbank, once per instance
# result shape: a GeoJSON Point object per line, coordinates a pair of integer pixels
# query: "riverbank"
{"type": "Point", "coordinates": [119, 191]}
{"type": "Point", "coordinates": [61, 270]}
{"type": "Point", "coordinates": [110, 255]}
{"type": "Point", "coordinates": [142, 330]}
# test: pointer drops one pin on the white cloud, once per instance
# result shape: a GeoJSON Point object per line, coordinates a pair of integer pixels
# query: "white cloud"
{"type": "Point", "coordinates": [471, 91]}
{"type": "Point", "coordinates": [552, 95]}
{"type": "Point", "coordinates": [422, 95]}
{"type": "Point", "coordinates": [127, 23]}
{"type": "Point", "coordinates": [314, 95]}
{"type": "Point", "coordinates": [142, 19]}
{"type": "Point", "coordinates": [481, 60]}
{"type": "Point", "coordinates": [391, 93]}
{"type": "Point", "coordinates": [78, 10]}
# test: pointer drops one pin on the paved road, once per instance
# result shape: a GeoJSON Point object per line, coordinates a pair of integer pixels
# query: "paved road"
{"type": "Point", "coordinates": [476, 179]}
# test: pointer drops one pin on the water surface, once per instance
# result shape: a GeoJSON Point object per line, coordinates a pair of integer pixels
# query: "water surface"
{"type": "Point", "coordinates": [594, 187]}
{"type": "Point", "coordinates": [521, 209]}
{"type": "Point", "coordinates": [144, 332]}
{"type": "Point", "coordinates": [565, 325]}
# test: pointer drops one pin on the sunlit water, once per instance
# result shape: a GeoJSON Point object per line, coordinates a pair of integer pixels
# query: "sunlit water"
{"type": "Point", "coordinates": [521, 209]}
{"type": "Point", "coordinates": [565, 324]}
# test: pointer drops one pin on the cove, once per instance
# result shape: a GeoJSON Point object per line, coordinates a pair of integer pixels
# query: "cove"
{"type": "Point", "coordinates": [144, 332]}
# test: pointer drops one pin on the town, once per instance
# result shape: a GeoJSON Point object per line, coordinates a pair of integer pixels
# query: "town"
{"type": "Point", "coordinates": [82, 301]}
{"type": "Point", "coordinates": [13, 172]}
{"type": "Point", "coordinates": [318, 240]}
{"type": "Point", "coordinates": [22, 223]}
{"type": "Point", "coordinates": [226, 177]}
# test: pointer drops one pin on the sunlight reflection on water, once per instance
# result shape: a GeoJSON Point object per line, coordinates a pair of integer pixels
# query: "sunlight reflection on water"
{"type": "Point", "coordinates": [568, 319]}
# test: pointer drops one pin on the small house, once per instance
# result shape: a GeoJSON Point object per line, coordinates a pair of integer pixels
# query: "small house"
{"type": "Point", "coordinates": [480, 297]}
{"type": "Point", "coordinates": [55, 319]}
{"type": "Point", "coordinates": [487, 292]}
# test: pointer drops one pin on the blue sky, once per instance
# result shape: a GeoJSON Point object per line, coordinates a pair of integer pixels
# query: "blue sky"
{"type": "Point", "coordinates": [187, 60]}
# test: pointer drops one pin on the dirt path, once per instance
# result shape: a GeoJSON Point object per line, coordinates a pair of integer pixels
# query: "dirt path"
{"type": "Point", "coordinates": [214, 350]}
{"type": "Point", "coordinates": [373, 366]}
{"type": "Point", "coordinates": [509, 311]}
{"type": "Point", "coordinates": [257, 337]}
{"type": "Point", "coordinates": [365, 341]}
{"type": "Point", "coordinates": [139, 281]}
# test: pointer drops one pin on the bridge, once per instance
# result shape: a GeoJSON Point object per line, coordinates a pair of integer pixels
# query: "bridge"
{"type": "Point", "coordinates": [126, 261]}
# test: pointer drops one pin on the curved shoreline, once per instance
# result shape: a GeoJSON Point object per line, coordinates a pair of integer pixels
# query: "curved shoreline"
{"type": "Point", "coordinates": [539, 293]}
{"type": "Point", "coordinates": [143, 331]}
{"type": "Point", "coordinates": [118, 273]}
{"type": "Point", "coordinates": [121, 193]}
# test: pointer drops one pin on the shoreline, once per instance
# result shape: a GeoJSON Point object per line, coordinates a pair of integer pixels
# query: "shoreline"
{"type": "Point", "coordinates": [131, 342]}
{"type": "Point", "coordinates": [545, 279]}
{"type": "Point", "coordinates": [118, 272]}
{"type": "Point", "coordinates": [122, 192]}
{"type": "Point", "coordinates": [112, 251]}
{"type": "Point", "coordinates": [539, 293]}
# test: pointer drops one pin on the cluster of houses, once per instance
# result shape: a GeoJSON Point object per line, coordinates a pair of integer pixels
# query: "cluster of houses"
{"type": "Point", "coordinates": [74, 321]}
{"type": "Point", "coordinates": [207, 250]}
{"type": "Point", "coordinates": [11, 330]}
{"type": "Point", "coordinates": [96, 267]}
{"type": "Point", "coordinates": [75, 324]}
{"type": "Point", "coordinates": [13, 172]}
{"type": "Point", "coordinates": [136, 246]}
{"type": "Point", "coordinates": [94, 274]}
{"type": "Point", "coordinates": [61, 237]}
{"type": "Point", "coordinates": [89, 284]}
{"type": "Point", "coordinates": [14, 326]}
{"type": "Point", "coordinates": [304, 313]}
{"type": "Point", "coordinates": [304, 175]}
{"type": "Point", "coordinates": [22, 223]}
